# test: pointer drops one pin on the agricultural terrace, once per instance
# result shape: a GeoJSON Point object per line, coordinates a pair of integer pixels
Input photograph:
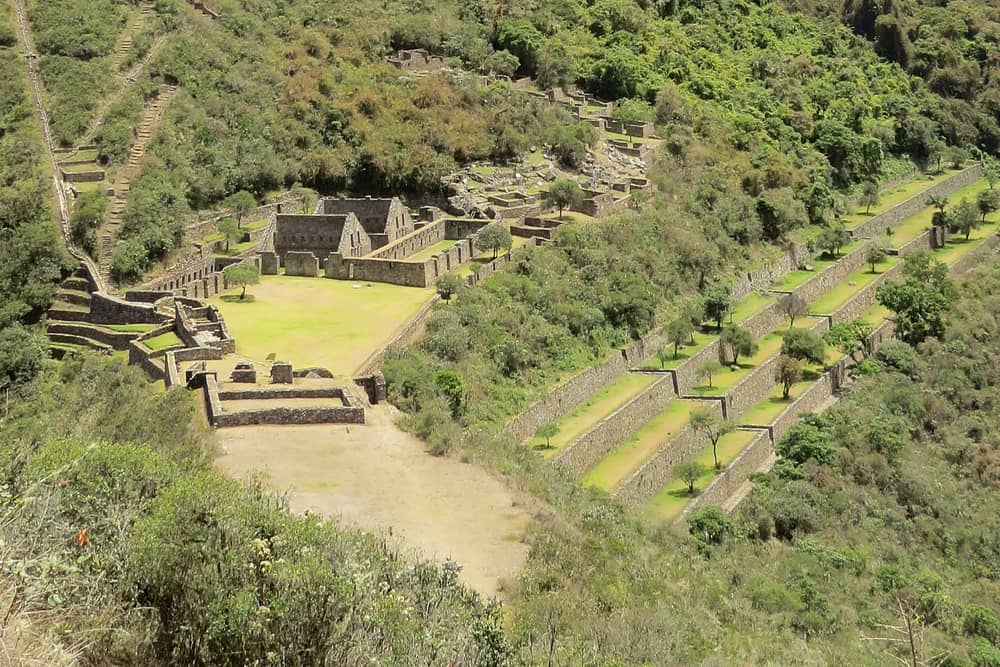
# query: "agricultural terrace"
{"type": "Point", "coordinates": [334, 324]}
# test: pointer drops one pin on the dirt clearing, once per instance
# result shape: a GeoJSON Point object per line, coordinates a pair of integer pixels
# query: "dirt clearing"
{"type": "Point", "coordinates": [382, 480]}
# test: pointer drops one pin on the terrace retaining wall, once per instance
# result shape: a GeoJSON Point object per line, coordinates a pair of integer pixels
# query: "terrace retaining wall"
{"type": "Point", "coordinates": [408, 332]}
{"type": "Point", "coordinates": [750, 460]}
{"type": "Point", "coordinates": [654, 474]}
{"type": "Point", "coordinates": [877, 225]}
{"type": "Point", "coordinates": [587, 451]}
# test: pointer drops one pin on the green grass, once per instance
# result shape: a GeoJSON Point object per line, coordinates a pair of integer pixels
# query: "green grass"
{"type": "Point", "coordinates": [162, 341]}
{"type": "Point", "coordinates": [131, 328]}
{"type": "Point", "coordinates": [896, 196]}
{"type": "Point", "coordinates": [90, 155]}
{"type": "Point", "coordinates": [750, 305]}
{"type": "Point", "coordinates": [614, 395]}
{"type": "Point", "coordinates": [848, 287]}
{"type": "Point", "coordinates": [877, 315]}
{"type": "Point", "coordinates": [917, 224]}
{"type": "Point", "coordinates": [334, 324]}
{"type": "Point", "coordinates": [430, 251]}
{"type": "Point", "coordinates": [631, 454]}
{"type": "Point", "coordinates": [957, 246]}
{"type": "Point", "coordinates": [96, 186]}
{"type": "Point", "coordinates": [794, 279]}
{"type": "Point", "coordinates": [237, 248]}
{"type": "Point", "coordinates": [80, 168]}
{"type": "Point", "coordinates": [674, 497]}
{"type": "Point", "coordinates": [765, 412]}
{"type": "Point", "coordinates": [685, 352]}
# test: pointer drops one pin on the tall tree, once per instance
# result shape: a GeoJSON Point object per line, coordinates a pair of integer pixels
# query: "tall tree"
{"type": "Point", "coordinates": [870, 196]}
{"type": "Point", "coordinates": [717, 305]}
{"type": "Point", "coordinates": [678, 331]}
{"type": "Point", "coordinates": [564, 193]}
{"type": "Point", "coordinates": [240, 204]}
{"type": "Point", "coordinates": [739, 341]}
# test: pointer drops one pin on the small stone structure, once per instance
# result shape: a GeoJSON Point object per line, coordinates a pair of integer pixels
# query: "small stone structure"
{"type": "Point", "coordinates": [415, 60]}
{"type": "Point", "coordinates": [320, 235]}
{"type": "Point", "coordinates": [384, 220]}
{"type": "Point", "coordinates": [244, 372]}
{"type": "Point", "coordinates": [281, 373]}
{"type": "Point", "coordinates": [374, 386]}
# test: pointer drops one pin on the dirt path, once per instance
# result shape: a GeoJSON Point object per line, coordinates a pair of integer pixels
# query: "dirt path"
{"type": "Point", "coordinates": [382, 480]}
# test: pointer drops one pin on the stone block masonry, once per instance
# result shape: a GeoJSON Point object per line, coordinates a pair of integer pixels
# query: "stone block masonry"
{"type": "Point", "coordinates": [829, 277]}
{"type": "Point", "coordinates": [588, 450]}
{"type": "Point", "coordinates": [654, 474]}
{"type": "Point", "coordinates": [918, 202]}
{"type": "Point", "coordinates": [749, 461]}
{"type": "Point", "coordinates": [301, 264]}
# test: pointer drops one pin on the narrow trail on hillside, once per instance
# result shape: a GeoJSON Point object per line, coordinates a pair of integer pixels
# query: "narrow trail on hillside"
{"type": "Point", "coordinates": [151, 115]}
{"type": "Point", "coordinates": [129, 79]}
{"type": "Point", "coordinates": [62, 203]}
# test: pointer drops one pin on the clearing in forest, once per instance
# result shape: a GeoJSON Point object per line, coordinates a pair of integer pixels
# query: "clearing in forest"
{"type": "Point", "coordinates": [334, 324]}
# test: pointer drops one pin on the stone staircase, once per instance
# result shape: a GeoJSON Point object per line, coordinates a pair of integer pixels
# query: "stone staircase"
{"type": "Point", "coordinates": [132, 28]}
{"type": "Point", "coordinates": [151, 115]}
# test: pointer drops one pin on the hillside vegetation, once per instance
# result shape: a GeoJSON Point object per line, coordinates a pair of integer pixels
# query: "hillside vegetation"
{"type": "Point", "coordinates": [123, 545]}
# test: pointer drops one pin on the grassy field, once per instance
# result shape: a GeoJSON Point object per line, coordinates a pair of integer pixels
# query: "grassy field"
{"type": "Point", "coordinates": [750, 305]}
{"type": "Point", "coordinates": [672, 499]}
{"type": "Point", "coordinates": [765, 412]}
{"type": "Point", "coordinates": [916, 225]}
{"type": "Point", "coordinates": [162, 341]}
{"type": "Point", "coordinates": [631, 454]}
{"type": "Point", "coordinates": [897, 196]}
{"type": "Point", "coordinates": [91, 154]}
{"type": "Point", "coordinates": [430, 251]}
{"type": "Point", "coordinates": [684, 352]}
{"type": "Point", "coordinates": [848, 287]}
{"type": "Point", "coordinates": [614, 395]}
{"type": "Point", "coordinates": [130, 328]}
{"type": "Point", "coordinates": [794, 279]}
{"type": "Point", "coordinates": [768, 346]}
{"type": "Point", "coordinates": [334, 324]}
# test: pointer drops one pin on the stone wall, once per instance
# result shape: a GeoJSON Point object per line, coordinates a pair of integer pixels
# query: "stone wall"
{"type": "Point", "coordinates": [411, 274]}
{"type": "Point", "coordinates": [139, 355]}
{"type": "Point", "coordinates": [301, 264]}
{"type": "Point", "coordinates": [269, 263]}
{"type": "Point", "coordinates": [281, 415]}
{"type": "Point", "coordinates": [750, 460]}
{"type": "Point", "coordinates": [686, 374]}
{"type": "Point", "coordinates": [973, 259]}
{"type": "Point", "coordinates": [925, 241]}
{"type": "Point", "coordinates": [106, 309]}
{"type": "Point", "coordinates": [809, 401]}
{"type": "Point", "coordinates": [268, 393]}
{"type": "Point", "coordinates": [118, 340]}
{"type": "Point", "coordinates": [877, 225]}
{"type": "Point", "coordinates": [829, 277]}
{"type": "Point", "coordinates": [657, 471]}
{"type": "Point", "coordinates": [202, 227]}
{"type": "Point", "coordinates": [411, 244]}
{"type": "Point", "coordinates": [410, 331]}
{"type": "Point", "coordinates": [864, 298]}
{"type": "Point", "coordinates": [573, 392]}
{"type": "Point", "coordinates": [588, 450]}
{"type": "Point", "coordinates": [320, 235]}
{"type": "Point", "coordinates": [756, 386]}
{"type": "Point", "coordinates": [761, 279]}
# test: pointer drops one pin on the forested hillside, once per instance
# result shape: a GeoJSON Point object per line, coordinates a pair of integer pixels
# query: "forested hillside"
{"type": "Point", "coordinates": [119, 544]}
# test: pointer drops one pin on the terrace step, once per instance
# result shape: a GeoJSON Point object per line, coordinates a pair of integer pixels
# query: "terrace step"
{"type": "Point", "coordinates": [80, 341]}
{"type": "Point", "coordinates": [75, 297]}
{"type": "Point", "coordinates": [78, 283]}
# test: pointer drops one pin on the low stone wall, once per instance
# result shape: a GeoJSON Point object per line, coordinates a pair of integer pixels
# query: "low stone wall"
{"type": "Point", "coordinates": [764, 322]}
{"type": "Point", "coordinates": [864, 298]}
{"type": "Point", "coordinates": [829, 277]}
{"type": "Point", "coordinates": [686, 374]}
{"type": "Point", "coordinates": [756, 386]}
{"type": "Point", "coordinates": [171, 373]}
{"type": "Point", "coordinates": [762, 278]}
{"type": "Point", "coordinates": [267, 393]}
{"type": "Point", "coordinates": [973, 259]}
{"type": "Point", "coordinates": [411, 244]}
{"type": "Point", "coordinates": [409, 331]}
{"type": "Point", "coordinates": [877, 225]}
{"type": "Point", "coordinates": [809, 401]}
{"type": "Point", "coordinates": [925, 241]}
{"type": "Point", "coordinates": [139, 355]}
{"type": "Point", "coordinates": [106, 309]}
{"type": "Point", "coordinates": [291, 416]}
{"type": "Point", "coordinates": [408, 274]}
{"type": "Point", "coordinates": [572, 393]}
{"type": "Point", "coordinates": [657, 471]}
{"type": "Point", "coordinates": [725, 484]}
{"type": "Point", "coordinates": [489, 268]}
{"type": "Point", "coordinates": [146, 296]}
{"type": "Point", "coordinates": [118, 340]}
{"type": "Point", "coordinates": [588, 450]}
